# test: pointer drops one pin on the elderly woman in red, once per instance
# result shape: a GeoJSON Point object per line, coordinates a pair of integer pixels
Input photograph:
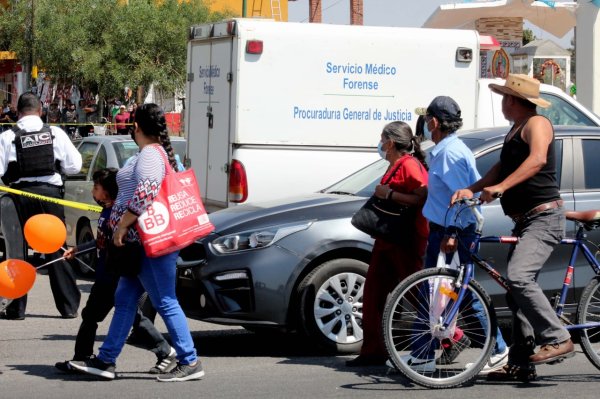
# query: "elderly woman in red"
{"type": "Point", "coordinates": [405, 182]}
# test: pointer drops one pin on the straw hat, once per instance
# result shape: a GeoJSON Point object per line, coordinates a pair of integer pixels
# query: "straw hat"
{"type": "Point", "coordinates": [521, 86]}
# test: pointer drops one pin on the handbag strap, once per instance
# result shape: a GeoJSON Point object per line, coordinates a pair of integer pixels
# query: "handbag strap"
{"type": "Point", "coordinates": [168, 168]}
{"type": "Point", "coordinates": [398, 167]}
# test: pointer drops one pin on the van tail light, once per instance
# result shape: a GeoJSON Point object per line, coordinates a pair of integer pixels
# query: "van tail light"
{"type": "Point", "coordinates": [238, 182]}
{"type": "Point", "coordinates": [254, 47]}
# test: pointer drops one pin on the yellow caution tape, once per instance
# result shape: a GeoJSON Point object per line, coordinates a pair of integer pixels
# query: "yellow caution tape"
{"type": "Point", "coordinates": [71, 204]}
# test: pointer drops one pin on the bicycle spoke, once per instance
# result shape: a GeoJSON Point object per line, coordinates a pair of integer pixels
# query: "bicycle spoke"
{"type": "Point", "coordinates": [413, 335]}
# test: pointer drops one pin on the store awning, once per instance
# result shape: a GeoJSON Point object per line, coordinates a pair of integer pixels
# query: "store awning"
{"type": "Point", "coordinates": [557, 18]}
{"type": "Point", "coordinates": [488, 43]}
{"type": "Point", "coordinates": [8, 55]}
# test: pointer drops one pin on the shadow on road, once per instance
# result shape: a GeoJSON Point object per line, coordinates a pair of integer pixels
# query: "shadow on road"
{"type": "Point", "coordinates": [225, 343]}
{"type": "Point", "coordinates": [51, 373]}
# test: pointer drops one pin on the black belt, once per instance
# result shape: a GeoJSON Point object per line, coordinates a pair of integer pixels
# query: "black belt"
{"type": "Point", "coordinates": [436, 227]}
{"type": "Point", "coordinates": [538, 209]}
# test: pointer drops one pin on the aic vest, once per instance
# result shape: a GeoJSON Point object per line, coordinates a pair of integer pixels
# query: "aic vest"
{"type": "Point", "coordinates": [35, 155]}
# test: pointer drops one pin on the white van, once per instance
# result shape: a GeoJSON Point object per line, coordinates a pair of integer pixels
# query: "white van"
{"type": "Point", "coordinates": [275, 109]}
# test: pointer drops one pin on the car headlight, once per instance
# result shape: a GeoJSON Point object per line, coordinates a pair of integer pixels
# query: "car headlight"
{"type": "Point", "coordinates": [255, 239]}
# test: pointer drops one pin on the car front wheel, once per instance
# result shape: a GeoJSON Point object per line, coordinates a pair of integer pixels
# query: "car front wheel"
{"type": "Point", "coordinates": [331, 304]}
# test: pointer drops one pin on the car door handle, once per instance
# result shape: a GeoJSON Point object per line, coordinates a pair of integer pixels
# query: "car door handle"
{"type": "Point", "coordinates": [79, 191]}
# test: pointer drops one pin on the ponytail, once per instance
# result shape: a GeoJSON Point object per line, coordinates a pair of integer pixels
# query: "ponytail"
{"type": "Point", "coordinates": [165, 141]}
{"type": "Point", "coordinates": [418, 152]}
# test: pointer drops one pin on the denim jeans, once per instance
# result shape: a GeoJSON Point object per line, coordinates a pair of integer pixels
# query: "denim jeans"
{"type": "Point", "coordinates": [99, 304]}
{"type": "Point", "coordinates": [466, 237]}
{"type": "Point", "coordinates": [157, 277]}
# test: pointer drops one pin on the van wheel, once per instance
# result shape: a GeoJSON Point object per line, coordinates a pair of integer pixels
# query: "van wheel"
{"type": "Point", "coordinates": [331, 299]}
{"type": "Point", "coordinates": [85, 235]}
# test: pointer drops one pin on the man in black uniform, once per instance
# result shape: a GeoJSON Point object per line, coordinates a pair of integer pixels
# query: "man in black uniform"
{"type": "Point", "coordinates": [33, 157]}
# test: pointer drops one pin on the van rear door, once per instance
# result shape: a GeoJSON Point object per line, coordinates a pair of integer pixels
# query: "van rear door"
{"type": "Point", "coordinates": [208, 113]}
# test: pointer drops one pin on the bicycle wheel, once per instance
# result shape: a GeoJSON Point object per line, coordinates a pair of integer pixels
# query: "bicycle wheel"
{"type": "Point", "coordinates": [588, 311]}
{"type": "Point", "coordinates": [416, 344]}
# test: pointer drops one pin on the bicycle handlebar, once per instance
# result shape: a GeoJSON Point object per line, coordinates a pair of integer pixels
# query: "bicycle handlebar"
{"type": "Point", "coordinates": [467, 201]}
{"type": "Point", "coordinates": [472, 204]}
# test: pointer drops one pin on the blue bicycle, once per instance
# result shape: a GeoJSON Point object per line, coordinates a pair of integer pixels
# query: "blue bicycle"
{"type": "Point", "coordinates": [425, 309]}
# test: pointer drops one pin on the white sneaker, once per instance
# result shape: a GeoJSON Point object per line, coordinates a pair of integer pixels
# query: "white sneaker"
{"type": "Point", "coordinates": [419, 365]}
{"type": "Point", "coordinates": [496, 362]}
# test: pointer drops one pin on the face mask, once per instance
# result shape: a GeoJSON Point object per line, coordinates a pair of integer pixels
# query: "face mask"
{"type": "Point", "coordinates": [101, 203]}
{"type": "Point", "coordinates": [426, 132]}
{"type": "Point", "coordinates": [380, 150]}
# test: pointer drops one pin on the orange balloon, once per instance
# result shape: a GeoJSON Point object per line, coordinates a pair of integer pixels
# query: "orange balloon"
{"type": "Point", "coordinates": [45, 233]}
{"type": "Point", "coordinates": [16, 278]}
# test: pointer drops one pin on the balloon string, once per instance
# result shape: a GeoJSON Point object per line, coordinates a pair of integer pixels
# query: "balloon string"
{"type": "Point", "coordinates": [80, 261]}
{"type": "Point", "coordinates": [85, 264]}
{"type": "Point", "coordinates": [63, 258]}
{"type": "Point", "coordinates": [49, 263]}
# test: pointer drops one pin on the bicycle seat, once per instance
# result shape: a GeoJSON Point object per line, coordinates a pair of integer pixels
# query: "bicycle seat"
{"type": "Point", "coordinates": [591, 219]}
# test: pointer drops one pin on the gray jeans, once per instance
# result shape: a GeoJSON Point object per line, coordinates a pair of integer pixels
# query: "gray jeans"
{"type": "Point", "coordinates": [534, 319]}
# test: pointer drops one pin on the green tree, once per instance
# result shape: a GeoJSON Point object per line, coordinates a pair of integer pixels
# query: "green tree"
{"type": "Point", "coordinates": [528, 36]}
{"type": "Point", "coordinates": [105, 45]}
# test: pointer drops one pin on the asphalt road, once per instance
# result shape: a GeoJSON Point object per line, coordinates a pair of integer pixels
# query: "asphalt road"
{"type": "Point", "coordinates": [238, 364]}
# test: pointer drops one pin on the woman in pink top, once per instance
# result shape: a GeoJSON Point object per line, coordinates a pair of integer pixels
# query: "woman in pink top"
{"type": "Point", "coordinates": [121, 121]}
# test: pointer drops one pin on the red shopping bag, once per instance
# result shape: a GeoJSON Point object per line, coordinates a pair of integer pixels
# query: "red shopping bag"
{"type": "Point", "coordinates": [177, 216]}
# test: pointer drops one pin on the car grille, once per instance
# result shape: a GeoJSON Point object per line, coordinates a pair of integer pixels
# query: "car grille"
{"type": "Point", "coordinates": [218, 295]}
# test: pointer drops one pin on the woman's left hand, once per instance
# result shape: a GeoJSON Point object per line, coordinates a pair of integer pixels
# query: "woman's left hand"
{"type": "Point", "coordinates": [382, 190]}
{"type": "Point", "coordinates": [119, 236]}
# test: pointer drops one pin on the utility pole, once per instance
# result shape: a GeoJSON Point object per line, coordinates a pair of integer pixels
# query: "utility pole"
{"type": "Point", "coordinates": [314, 11]}
{"type": "Point", "coordinates": [244, 8]}
{"type": "Point", "coordinates": [31, 43]}
{"type": "Point", "coordinates": [356, 12]}
{"type": "Point", "coordinates": [28, 57]}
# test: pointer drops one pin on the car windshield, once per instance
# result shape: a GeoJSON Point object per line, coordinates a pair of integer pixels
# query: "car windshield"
{"type": "Point", "coordinates": [126, 149]}
{"type": "Point", "coordinates": [363, 182]}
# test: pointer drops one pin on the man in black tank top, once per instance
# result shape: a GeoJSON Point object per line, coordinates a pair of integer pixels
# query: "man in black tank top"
{"type": "Point", "coordinates": [525, 180]}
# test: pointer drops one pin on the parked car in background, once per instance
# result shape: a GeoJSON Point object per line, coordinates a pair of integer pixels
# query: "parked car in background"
{"type": "Point", "coordinates": [97, 152]}
{"type": "Point", "coordinates": [298, 263]}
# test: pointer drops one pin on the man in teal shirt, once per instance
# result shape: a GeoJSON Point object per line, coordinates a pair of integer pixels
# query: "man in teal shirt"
{"type": "Point", "coordinates": [451, 167]}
